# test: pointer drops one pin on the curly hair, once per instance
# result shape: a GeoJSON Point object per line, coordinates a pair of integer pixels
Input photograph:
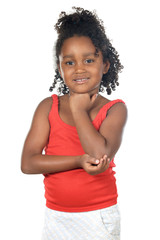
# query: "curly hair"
{"type": "Point", "coordinates": [85, 23]}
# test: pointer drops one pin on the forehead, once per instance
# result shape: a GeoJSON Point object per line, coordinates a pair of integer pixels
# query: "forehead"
{"type": "Point", "coordinates": [77, 45]}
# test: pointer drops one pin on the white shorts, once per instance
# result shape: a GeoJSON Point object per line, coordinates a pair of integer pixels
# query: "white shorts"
{"type": "Point", "coordinates": [103, 224]}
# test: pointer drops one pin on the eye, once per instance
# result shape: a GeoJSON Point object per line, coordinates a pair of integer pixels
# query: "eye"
{"type": "Point", "coordinates": [89, 60]}
{"type": "Point", "coordinates": [69, 63]}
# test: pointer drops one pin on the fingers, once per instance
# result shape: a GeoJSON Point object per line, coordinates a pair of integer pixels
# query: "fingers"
{"type": "Point", "coordinates": [93, 161]}
{"type": "Point", "coordinates": [102, 162]}
{"type": "Point", "coordinates": [95, 166]}
{"type": "Point", "coordinates": [93, 98]}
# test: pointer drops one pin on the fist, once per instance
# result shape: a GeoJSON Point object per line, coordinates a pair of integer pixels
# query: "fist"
{"type": "Point", "coordinates": [94, 166]}
{"type": "Point", "coordinates": [81, 102]}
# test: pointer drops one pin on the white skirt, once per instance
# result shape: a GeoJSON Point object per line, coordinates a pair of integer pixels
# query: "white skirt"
{"type": "Point", "coordinates": [103, 224]}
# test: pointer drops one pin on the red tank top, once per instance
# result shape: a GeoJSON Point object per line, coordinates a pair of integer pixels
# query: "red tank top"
{"type": "Point", "coordinates": [76, 190]}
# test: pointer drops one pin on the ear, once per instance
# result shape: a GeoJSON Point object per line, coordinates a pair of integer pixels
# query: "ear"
{"type": "Point", "coordinates": [106, 67]}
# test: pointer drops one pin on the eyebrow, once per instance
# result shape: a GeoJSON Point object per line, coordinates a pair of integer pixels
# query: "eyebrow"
{"type": "Point", "coordinates": [84, 55]}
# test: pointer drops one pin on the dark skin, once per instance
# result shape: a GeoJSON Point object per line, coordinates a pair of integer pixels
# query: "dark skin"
{"type": "Point", "coordinates": [82, 71]}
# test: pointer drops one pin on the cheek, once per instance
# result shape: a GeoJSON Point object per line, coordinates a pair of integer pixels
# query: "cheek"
{"type": "Point", "coordinates": [98, 72]}
{"type": "Point", "coordinates": [66, 74]}
{"type": "Point", "coordinates": [63, 71]}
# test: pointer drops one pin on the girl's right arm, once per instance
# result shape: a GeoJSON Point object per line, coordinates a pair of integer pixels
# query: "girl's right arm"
{"type": "Point", "coordinates": [33, 161]}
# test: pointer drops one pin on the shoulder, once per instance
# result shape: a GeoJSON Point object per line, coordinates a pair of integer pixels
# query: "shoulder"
{"type": "Point", "coordinates": [118, 106]}
{"type": "Point", "coordinates": [113, 105]}
{"type": "Point", "coordinates": [117, 113]}
{"type": "Point", "coordinates": [115, 119]}
{"type": "Point", "coordinates": [47, 102]}
{"type": "Point", "coordinates": [44, 106]}
{"type": "Point", "coordinates": [116, 110]}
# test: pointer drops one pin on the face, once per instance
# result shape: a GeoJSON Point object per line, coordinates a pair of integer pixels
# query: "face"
{"type": "Point", "coordinates": [80, 66]}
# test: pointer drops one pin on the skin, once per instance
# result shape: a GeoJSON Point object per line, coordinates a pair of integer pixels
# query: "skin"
{"type": "Point", "coordinates": [78, 60]}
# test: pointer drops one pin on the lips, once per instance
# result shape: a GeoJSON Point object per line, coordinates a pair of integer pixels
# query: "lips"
{"type": "Point", "coordinates": [81, 80]}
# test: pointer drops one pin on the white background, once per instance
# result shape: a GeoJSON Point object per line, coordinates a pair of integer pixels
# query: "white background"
{"type": "Point", "coordinates": [26, 72]}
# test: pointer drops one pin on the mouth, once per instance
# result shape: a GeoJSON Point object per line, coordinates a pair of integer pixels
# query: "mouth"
{"type": "Point", "coordinates": [81, 80]}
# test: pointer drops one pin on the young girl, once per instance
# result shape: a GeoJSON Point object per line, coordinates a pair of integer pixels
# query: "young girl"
{"type": "Point", "coordinates": [80, 131]}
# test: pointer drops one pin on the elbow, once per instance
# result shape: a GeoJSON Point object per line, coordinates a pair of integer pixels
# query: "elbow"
{"type": "Point", "coordinates": [31, 164]}
{"type": "Point", "coordinates": [24, 171]}
{"type": "Point", "coordinates": [26, 167]}
{"type": "Point", "coordinates": [99, 152]}
{"type": "Point", "coordinates": [106, 149]}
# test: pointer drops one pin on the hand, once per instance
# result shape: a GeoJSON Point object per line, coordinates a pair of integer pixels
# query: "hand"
{"type": "Point", "coordinates": [94, 166]}
{"type": "Point", "coordinates": [81, 102]}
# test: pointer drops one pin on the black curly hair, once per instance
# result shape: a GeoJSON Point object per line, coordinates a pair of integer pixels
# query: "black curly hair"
{"type": "Point", "coordinates": [85, 23]}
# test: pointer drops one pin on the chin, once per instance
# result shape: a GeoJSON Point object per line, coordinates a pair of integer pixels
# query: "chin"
{"type": "Point", "coordinates": [87, 90]}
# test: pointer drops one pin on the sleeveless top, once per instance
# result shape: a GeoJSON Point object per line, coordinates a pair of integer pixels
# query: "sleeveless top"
{"type": "Point", "coordinates": [76, 190]}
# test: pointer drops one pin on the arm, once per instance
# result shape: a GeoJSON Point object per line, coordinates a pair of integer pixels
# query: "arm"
{"type": "Point", "coordinates": [108, 139]}
{"type": "Point", "coordinates": [33, 161]}
{"type": "Point", "coordinates": [112, 128]}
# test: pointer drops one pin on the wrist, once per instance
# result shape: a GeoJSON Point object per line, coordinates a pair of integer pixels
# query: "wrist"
{"type": "Point", "coordinates": [79, 161]}
{"type": "Point", "coordinates": [79, 113]}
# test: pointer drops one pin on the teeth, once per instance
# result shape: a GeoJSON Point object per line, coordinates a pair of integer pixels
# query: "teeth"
{"type": "Point", "coordinates": [80, 80]}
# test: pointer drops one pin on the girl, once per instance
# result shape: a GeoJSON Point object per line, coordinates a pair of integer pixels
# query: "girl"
{"type": "Point", "coordinates": [80, 131]}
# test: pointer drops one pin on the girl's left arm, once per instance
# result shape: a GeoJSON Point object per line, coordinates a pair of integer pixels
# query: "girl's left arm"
{"type": "Point", "coordinates": [107, 140]}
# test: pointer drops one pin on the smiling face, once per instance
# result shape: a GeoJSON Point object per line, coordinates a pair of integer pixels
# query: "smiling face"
{"type": "Point", "coordinates": [81, 66]}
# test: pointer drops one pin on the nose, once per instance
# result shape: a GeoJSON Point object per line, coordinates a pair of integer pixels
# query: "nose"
{"type": "Point", "coordinates": [79, 67]}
